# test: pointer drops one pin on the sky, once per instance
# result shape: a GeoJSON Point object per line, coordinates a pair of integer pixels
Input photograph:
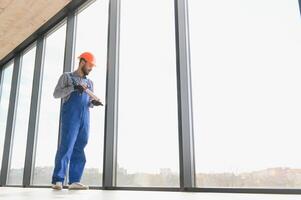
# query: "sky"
{"type": "Point", "coordinates": [245, 82]}
{"type": "Point", "coordinates": [245, 58]}
{"type": "Point", "coordinates": [147, 123]}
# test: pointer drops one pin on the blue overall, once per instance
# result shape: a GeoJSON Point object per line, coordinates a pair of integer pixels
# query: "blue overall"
{"type": "Point", "coordinates": [75, 118]}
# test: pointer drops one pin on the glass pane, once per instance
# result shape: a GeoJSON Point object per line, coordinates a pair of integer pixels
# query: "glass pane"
{"type": "Point", "coordinates": [94, 41]}
{"type": "Point", "coordinates": [246, 92]}
{"type": "Point", "coordinates": [48, 126]}
{"type": "Point", "coordinates": [147, 120]}
{"type": "Point", "coordinates": [4, 102]}
{"type": "Point", "coordinates": [15, 174]}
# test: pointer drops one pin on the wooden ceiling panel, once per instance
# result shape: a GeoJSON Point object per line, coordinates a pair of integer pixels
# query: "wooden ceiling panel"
{"type": "Point", "coordinates": [20, 18]}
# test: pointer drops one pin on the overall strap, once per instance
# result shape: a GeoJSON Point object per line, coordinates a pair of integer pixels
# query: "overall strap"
{"type": "Point", "coordinates": [76, 83]}
{"type": "Point", "coordinates": [72, 78]}
{"type": "Point", "coordinates": [90, 83]}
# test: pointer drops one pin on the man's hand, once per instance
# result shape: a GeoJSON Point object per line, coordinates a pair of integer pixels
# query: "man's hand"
{"type": "Point", "coordinates": [80, 88]}
{"type": "Point", "coordinates": [96, 103]}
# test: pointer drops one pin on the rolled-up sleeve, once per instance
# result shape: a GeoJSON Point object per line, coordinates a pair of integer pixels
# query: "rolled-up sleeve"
{"type": "Point", "coordinates": [64, 87]}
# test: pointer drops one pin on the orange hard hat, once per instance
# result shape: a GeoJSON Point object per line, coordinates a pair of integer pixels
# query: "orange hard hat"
{"type": "Point", "coordinates": [89, 57]}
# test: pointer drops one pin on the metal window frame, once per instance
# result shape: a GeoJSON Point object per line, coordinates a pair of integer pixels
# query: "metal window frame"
{"type": "Point", "coordinates": [111, 107]}
{"type": "Point", "coordinates": [186, 142]}
{"type": "Point", "coordinates": [70, 41]}
{"type": "Point", "coordinates": [186, 138]}
{"type": "Point", "coordinates": [34, 113]}
{"type": "Point", "coordinates": [299, 6]}
{"type": "Point", "coordinates": [54, 29]}
{"type": "Point", "coordinates": [25, 51]}
{"type": "Point", "coordinates": [191, 190]}
{"type": "Point", "coordinates": [69, 53]}
{"type": "Point", "coordinates": [1, 82]}
{"type": "Point", "coordinates": [68, 62]}
{"type": "Point", "coordinates": [1, 86]}
{"type": "Point", "coordinates": [84, 6]}
{"type": "Point", "coordinates": [10, 123]}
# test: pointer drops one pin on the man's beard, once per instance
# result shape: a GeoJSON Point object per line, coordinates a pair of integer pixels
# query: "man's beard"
{"type": "Point", "coordinates": [85, 72]}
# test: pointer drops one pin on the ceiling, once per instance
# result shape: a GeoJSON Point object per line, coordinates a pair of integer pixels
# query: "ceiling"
{"type": "Point", "coordinates": [20, 18]}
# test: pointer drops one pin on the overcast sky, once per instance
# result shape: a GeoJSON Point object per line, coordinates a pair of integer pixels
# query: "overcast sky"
{"type": "Point", "coordinates": [246, 84]}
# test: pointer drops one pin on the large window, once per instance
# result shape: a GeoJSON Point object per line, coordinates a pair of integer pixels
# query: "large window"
{"type": "Point", "coordinates": [92, 29]}
{"type": "Point", "coordinates": [147, 120]}
{"type": "Point", "coordinates": [5, 86]}
{"type": "Point", "coordinates": [49, 116]}
{"type": "Point", "coordinates": [15, 174]}
{"type": "Point", "coordinates": [246, 92]}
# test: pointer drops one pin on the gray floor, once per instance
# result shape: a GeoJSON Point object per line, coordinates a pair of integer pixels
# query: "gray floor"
{"type": "Point", "coordinates": [12, 193]}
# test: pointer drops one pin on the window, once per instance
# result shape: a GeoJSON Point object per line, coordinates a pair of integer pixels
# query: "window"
{"type": "Point", "coordinates": [92, 37]}
{"type": "Point", "coordinates": [49, 117]}
{"type": "Point", "coordinates": [246, 92]}
{"type": "Point", "coordinates": [15, 174]}
{"type": "Point", "coordinates": [5, 86]}
{"type": "Point", "coordinates": [147, 119]}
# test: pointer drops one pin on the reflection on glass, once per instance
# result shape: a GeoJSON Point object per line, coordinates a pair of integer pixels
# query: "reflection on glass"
{"type": "Point", "coordinates": [5, 87]}
{"type": "Point", "coordinates": [147, 120]}
{"type": "Point", "coordinates": [246, 92]}
{"type": "Point", "coordinates": [15, 174]}
{"type": "Point", "coordinates": [94, 41]}
{"type": "Point", "coordinates": [48, 126]}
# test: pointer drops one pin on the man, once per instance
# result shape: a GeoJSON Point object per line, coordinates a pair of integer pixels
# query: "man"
{"type": "Point", "coordinates": [71, 88]}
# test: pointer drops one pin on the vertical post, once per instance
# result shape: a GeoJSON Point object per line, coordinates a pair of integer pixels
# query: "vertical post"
{"type": "Point", "coordinates": [69, 55]}
{"type": "Point", "coordinates": [34, 113]}
{"type": "Point", "coordinates": [70, 41]}
{"type": "Point", "coordinates": [10, 123]}
{"type": "Point", "coordinates": [186, 140]}
{"type": "Point", "coordinates": [1, 85]}
{"type": "Point", "coordinates": [300, 6]}
{"type": "Point", "coordinates": [69, 51]}
{"type": "Point", "coordinates": [110, 136]}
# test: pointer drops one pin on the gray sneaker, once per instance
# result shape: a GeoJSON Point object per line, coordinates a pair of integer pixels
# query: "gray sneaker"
{"type": "Point", "coordinates": [57, 186]}
{"type": "Point", "coordinates": [78, 186]}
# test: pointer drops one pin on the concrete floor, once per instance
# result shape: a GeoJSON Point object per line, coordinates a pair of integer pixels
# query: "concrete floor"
{"type": "Point", "coordinates": [12, 193]}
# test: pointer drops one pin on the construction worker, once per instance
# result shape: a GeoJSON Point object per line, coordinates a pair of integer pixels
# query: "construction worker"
{"type": "Point", "coordinates": [74, 123]}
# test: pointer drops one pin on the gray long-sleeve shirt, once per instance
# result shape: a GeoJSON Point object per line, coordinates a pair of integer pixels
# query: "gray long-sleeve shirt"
{"type": "Point", "coordinates": [65, 85]}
